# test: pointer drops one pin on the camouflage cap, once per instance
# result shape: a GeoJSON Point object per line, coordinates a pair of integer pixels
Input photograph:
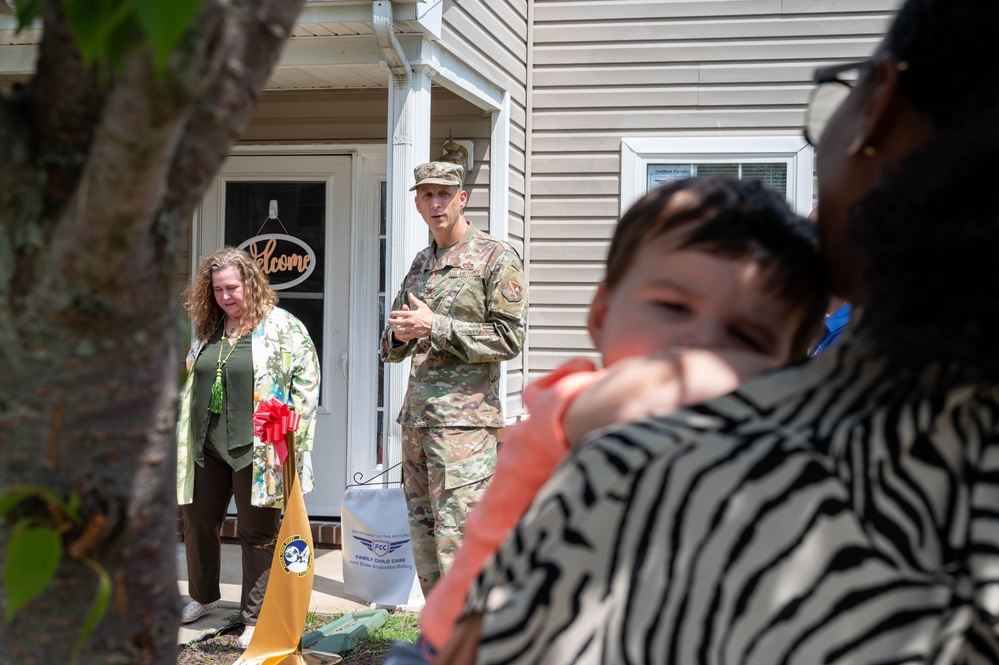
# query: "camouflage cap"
{"type": "Point", "coordinates": [439, 173]}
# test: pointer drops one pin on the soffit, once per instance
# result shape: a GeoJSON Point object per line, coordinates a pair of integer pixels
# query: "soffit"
{"type": "Point", "coordinates": [332, 46]}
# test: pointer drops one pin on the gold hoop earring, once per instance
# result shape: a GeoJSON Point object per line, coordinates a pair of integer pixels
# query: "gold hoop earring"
{"type": "Point", "coordinates": [858, 147]}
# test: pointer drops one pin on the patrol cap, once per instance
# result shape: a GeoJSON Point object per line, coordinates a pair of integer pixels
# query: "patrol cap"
{"type": "Point", "coordinates": [439, 173]}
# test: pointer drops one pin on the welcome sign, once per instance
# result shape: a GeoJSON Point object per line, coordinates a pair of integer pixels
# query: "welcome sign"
{"type": "Point", "coordinates": [286, 260]}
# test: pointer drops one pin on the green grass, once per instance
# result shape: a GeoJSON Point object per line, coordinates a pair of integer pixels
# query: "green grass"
{"type": "Point", "coordinates": [370, 651]}
{"type": "Point", "coordinates": [313, 621]}
{"type": "Point", "coordinates": [401, 625]}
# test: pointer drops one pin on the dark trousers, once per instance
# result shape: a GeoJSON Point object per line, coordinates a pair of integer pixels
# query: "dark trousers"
{"type": "Point", "coordinates": [257, 529]}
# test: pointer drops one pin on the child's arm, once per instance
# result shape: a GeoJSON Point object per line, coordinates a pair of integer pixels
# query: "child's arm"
{"type": "Point", "coordinates": [525, 460]}
{"type": "Point", "coordinates": [566, 405]}
{"type": "Point", "coordinates": [643, 386]}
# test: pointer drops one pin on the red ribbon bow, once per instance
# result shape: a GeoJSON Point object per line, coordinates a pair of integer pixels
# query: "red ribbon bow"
{"type": "Point", "coordinates": [272, 421]}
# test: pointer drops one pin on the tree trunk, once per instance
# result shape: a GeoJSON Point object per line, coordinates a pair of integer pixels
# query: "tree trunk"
{"type": "Point", "coordinates": [99, 175]}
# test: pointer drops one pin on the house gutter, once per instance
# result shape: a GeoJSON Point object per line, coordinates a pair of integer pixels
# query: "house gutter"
{"type": "Point", "coordinates": [384, 29]}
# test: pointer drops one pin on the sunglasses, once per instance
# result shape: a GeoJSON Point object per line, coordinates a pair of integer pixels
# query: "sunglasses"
{"type": "Point", "coordinates": [829, 93]}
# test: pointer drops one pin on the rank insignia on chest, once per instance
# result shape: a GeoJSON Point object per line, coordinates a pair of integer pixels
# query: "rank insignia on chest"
{"type": "Point", "coordinates": [429, 290]}
{"type": "Point", "coordinates": [513, 291]}
{"type": "Point", "coordinates": [467, 265]}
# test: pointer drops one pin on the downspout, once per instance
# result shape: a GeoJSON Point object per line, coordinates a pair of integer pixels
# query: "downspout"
{"type": "Point", "coordinates": [395, 57]}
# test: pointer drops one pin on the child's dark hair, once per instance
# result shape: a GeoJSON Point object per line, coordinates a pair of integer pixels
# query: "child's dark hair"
{"type": "Point", "coordinates": [734, 219]}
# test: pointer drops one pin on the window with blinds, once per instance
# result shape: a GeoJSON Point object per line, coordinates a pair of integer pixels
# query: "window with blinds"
{"type": "Point", "coordinates": [773, 174]}
{"type": "Point", "coordinates": [784, 164]}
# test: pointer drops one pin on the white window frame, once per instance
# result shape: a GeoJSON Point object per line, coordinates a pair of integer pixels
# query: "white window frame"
{"type": "Point", "coordinates": [638, 153]}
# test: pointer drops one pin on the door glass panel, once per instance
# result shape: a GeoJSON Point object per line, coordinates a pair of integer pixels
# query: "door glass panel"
{"type": "Point", "coordinates": [380, 415]}
{"type": "Point", "coordinates": [286, 222]}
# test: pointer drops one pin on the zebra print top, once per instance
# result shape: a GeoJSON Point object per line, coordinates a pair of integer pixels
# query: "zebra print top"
{"type": "Point", "coordinates": [832, 512]}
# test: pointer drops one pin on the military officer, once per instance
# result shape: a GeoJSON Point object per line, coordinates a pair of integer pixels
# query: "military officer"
{"type": "Point", "coordinates": [460, 312]}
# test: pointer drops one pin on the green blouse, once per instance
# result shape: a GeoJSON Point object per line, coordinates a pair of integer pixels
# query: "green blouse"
{"type": "Point", "coordinates": [230, 433]}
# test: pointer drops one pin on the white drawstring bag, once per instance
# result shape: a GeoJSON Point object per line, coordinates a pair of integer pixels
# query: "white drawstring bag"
{"type": "Point", "coordinates": [378, 561]}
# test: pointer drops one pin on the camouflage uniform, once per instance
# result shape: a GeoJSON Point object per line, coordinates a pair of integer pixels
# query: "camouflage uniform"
{"type": "Point", "coordinates": [452, 411]}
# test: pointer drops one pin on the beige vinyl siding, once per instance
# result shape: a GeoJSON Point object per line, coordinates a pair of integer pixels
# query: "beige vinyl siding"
{"type": "Point", "coordinates": [607, 70]}
{"type": "Point", "coordinates": [491, 38]}
{"type": "Point", "coordinates": [359, 116]}
{"type": "Point", "coordinates": [319, 116]}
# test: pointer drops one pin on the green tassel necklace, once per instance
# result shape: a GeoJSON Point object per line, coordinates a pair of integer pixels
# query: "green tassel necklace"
{"type": "Point", "coordinates": [215, 404]}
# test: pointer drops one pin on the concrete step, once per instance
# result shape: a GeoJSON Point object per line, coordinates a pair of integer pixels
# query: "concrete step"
{"type": "Point", "coordinates": [328, 594]}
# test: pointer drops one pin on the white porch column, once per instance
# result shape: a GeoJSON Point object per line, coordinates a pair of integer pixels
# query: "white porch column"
{"type": "Point", "coordinates": [499, 202]}
{"type": "Point", "coordinates": [409, 133]}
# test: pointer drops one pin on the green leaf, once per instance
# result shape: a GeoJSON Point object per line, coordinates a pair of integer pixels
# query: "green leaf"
{"type": "Point", "coordinates": [19, 493]}
{"type": "Point", "coordinates": [32, 558]}
{"type": "Point", "coordinates": [97, 608]}
{"type": "Point", "coordinates": [27, 11]}
{"type": "Point", "coordinates": [165, 22]}
{"type": "Point", "coordinates": [72, 507]}
{"type": "Point", "coordinates": [124, 38]}
{"type": "Point", "coordinates": [10, 499]}
{"type": "Point", "coordinates": [93, 22]}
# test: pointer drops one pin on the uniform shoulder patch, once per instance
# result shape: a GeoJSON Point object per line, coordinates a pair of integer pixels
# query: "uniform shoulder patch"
{"type": "Point", "coordinates": [513, 291]}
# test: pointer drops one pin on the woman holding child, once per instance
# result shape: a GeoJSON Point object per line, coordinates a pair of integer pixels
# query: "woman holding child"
{"type": "Point", "coordinates": [840, 510]}
{"type": "Point", "coordinates": [708, 282]}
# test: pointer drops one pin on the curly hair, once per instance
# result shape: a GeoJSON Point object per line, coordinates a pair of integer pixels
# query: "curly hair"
{"type": "Point", "coordinates": [927, 238]}
{"type": "Point", "coordinates": [199, 299]}
{"type": "Point", "coordinates": [734, 219]}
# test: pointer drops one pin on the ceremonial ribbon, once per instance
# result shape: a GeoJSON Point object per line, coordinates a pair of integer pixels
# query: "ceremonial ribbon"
{"type": "Point", "coordinates": [272, 421]}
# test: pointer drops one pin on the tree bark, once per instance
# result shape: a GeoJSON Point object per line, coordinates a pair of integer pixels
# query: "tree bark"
{"type": "Point", "coordinates": [100, 175]}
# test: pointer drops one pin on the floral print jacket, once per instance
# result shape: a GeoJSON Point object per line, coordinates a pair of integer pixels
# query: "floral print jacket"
{"type": "Point", "coordinates": [285, 366]}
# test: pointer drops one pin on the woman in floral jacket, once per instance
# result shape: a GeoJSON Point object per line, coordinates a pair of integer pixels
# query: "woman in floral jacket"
{"type": "Point", "coordinates": [246, 350]}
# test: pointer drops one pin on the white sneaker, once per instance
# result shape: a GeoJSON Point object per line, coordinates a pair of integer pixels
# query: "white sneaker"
{"type": "Point", "coordinates": [244, 640]}
{"type": "Point", "coordinates": [195, 610]}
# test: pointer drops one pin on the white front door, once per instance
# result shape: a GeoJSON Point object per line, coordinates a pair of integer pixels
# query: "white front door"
{"type": "Point", "coordinates": [297, 210]}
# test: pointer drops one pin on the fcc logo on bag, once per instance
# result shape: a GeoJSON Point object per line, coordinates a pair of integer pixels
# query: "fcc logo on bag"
{"type": "Point", "coordinates": [380, 547]}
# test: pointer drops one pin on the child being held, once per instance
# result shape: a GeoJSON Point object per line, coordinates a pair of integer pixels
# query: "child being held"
{"type": "Point", "coordinates": [709, 282]}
